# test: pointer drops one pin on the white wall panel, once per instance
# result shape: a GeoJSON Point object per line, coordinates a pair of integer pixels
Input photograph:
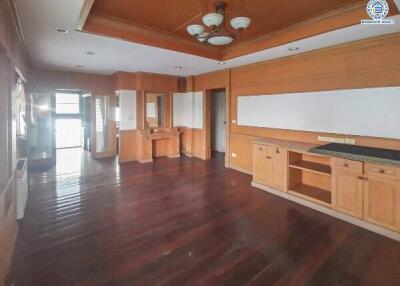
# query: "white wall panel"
{"type": "Point", "coordinates": [366, 112]}
{"type": "Point", "coordinates": [127, 107]}
{"type": "Point", "coordinates": [188, 109]}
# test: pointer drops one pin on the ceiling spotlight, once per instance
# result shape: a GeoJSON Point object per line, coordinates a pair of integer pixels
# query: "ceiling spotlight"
{"type": "Point", "coordinates": [222, 63]}
{"type": "Point", "coordinates": [294, 49]}
{"type": "Point", "coordinates": [80, 66]}
{"type": "Point", "coordinates": [90, 53]}
{"type": "Point", "coordinates": [178, 67]}
{"type": "Point", "coordinates": [61, 30]}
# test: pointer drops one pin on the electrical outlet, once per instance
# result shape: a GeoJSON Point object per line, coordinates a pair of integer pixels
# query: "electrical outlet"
{"type": "Point", "coordinates": [337, 140]}
{"type": "Point", "coordinates": [234, 155]}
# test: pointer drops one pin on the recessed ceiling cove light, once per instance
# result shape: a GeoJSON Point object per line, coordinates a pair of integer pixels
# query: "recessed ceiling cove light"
{"type": "Point", "coordinates": [294, 49]}
{"type": "Point", "coordinates": [61, 30]}
{"type": "Point", "coordinates": [178, 67]}
{"type": "Point", "coordinates": [222, 63]}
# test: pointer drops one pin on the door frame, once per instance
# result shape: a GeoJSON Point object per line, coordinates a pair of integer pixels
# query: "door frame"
{"type": "Point", "coordinates": [207, 122]}
{"type": "Point", "coordinates": [112, 132]}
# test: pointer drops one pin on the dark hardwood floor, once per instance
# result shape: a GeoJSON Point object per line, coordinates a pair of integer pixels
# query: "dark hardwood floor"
{"type": "Point", "coordinates": [184, 222]}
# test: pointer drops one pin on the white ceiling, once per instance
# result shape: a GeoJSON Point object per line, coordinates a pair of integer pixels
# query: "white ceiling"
{"type": "Point", "coordinates": [53, 50]}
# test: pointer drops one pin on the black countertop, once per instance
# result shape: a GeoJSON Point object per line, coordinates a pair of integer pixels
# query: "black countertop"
{"type": "Point", "coordinates": [359, 153]}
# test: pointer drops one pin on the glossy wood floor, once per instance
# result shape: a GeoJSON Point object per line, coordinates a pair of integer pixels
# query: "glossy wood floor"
{"type": "Point", "coordinates": [184, 222]}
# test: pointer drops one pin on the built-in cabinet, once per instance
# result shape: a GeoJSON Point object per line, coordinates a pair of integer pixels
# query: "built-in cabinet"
{"type": "Point", "coordinates": [382, 195]}
{"type": "Point", "coordinates": [347, 187]}
{"type": "Point", "coordinates": [270, 166]}
{"type": "Point", "coordinates": [367, 191]}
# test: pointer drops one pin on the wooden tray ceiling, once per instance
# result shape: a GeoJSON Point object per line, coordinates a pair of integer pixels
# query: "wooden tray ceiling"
{"type": "Point", "coordinates": [163, 23]}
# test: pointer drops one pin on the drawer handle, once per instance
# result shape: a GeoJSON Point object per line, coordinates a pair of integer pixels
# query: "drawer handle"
{"type": "Point", "coordinates": [382, 171]}
{"type": "Point", "coordinates": [277, 150]}
{"type": "Point", "coordinates": [345, 164]}
{"type": "Point", "coordinates": [260, 148]}
{"type": "Point", "coordinates": [268, 157]}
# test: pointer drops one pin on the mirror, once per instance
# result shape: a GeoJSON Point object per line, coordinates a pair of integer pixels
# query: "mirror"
{"type": "Point", "coordinates": [154, 110]}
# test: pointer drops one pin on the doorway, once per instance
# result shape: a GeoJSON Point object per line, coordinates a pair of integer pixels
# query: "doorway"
{"type": "Point", "coordinates": [218, 120]}
{"type": "Point", "coordinates": [68, 125]}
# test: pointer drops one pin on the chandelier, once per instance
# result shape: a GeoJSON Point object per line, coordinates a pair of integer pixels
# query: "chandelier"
{"type": "Point", "coordinates": [219, 35]}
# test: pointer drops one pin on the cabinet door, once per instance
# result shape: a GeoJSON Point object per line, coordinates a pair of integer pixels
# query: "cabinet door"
{"type": "Point", "coordinates": [260, 164]}
{"type": "Point", "coordinates": [347, 192]}
{"type": "Point", "coordinates": [382, 202]}
{"type": "Point", "coordinates": [278, 170]}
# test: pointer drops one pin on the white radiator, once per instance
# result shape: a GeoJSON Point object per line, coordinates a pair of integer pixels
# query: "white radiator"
{"type": "Point", "coordinates": [22, 186]}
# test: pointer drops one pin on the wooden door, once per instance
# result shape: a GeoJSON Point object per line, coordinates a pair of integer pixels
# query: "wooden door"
{"type": "Point", "coordinates": [347, 192]}
{"type": "Point", "coordinates": [279, 166]}
{"type": "Point", "coordinates": [260, 164]}
{"type": "Point", "coordinates": [382, 202]}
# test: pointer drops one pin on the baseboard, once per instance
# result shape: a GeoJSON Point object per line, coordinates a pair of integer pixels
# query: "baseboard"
{"type": "Point", "coordinates": [361, 223]}
{"type": "Point", "coordinates": [174, 156]}
{"type": "Point", "coordinates": [127, 159]}
{"type": "Point", "coordinates": [240, 170]}
{"type": "Point", "coordinates": [145, 161]}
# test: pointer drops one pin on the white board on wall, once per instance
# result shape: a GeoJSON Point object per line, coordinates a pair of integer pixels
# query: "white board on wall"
{"type": "Point", "coordinates": [365, 112]}
{"type": "Point", "coordinates": [127, 103]}
{"type": "Point", "coordinates": [188, 110]}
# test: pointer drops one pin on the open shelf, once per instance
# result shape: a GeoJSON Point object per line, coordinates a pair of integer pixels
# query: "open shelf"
{"type": "Point", "coordinates": [312, 193]}
{"type": "Point", "coordinates": [312, 167]}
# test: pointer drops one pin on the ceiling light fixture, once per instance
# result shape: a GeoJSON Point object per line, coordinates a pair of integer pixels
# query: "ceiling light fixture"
{"type": "Point", "coordinates": [219, 34]}
{"type": "Point", "coordinates": [222, 63]}
{"type": "Point", "coordinates": [90, 53]}
{"type": "Point", "coordinates": [178, 67]}
{"type": "Point", "coordinates": [80, 66]}
{"type": "Point", "coordinates": [61, 30]}
{"type": "Point", "coordinates": [294, 49]}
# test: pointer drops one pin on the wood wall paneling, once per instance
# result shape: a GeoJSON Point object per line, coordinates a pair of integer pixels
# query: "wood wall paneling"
{"type": "Point", "coordinates": [8, 153]}
{"type": "Point", "coordinates": [47, 80]}
{"type": "Point", "coordinates": [127, 146]}
{"type": "Point", "coordinates": [341, 67]}
{"type": "Point", "coordinates": [11, 40]}
{"type": "Point", "coordinates": [124, 81]}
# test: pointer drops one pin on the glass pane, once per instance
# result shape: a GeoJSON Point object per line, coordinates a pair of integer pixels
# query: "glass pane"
{"type": "Point", "coordinates": [40, 131]}
{"type": "Point", "coordinates": [67, 103]}
{"type": "Point", "coordinates": [101, 124]}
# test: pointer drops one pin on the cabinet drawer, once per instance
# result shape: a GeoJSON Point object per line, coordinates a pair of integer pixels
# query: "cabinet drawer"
{"type": "Point", "coordinates": [382, 171]}
{"type": "Point", "coordinates": [350, 165]}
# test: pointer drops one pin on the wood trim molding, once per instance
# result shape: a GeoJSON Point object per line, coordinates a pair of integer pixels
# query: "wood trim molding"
{"type": "Point", "coordinates": [111, 27]}
{"type": "Point", "coordinates": [330, 21]}
{"type": "Point", "coordinates": [87, 6]}
{"type": "Point", "coordinates": [397, 2]}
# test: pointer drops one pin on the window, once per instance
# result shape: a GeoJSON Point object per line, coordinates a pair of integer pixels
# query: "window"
{"type": "Point", "coordinates": [67, 103]}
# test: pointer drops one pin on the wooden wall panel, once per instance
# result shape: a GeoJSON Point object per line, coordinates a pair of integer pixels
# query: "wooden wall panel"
{"type": "Point", "coordinates": [157, 82]}
{"type": "Point", "coordinates": [45, 80]}
{"type": "Point", "coordinates": [342, 67]}
{"type": "Point", "coordinates": [8, 157]}
{"type": "Point", "coordinates": [124, 81]}
{"type": "Point", "coordinates": [213, 80]}
{"type": "Point", "coordinates": [127, 145]}
{"type": "Point", "coordinates": [8, 228]}
{"type": "Point", "coordinates": [11, 42]}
